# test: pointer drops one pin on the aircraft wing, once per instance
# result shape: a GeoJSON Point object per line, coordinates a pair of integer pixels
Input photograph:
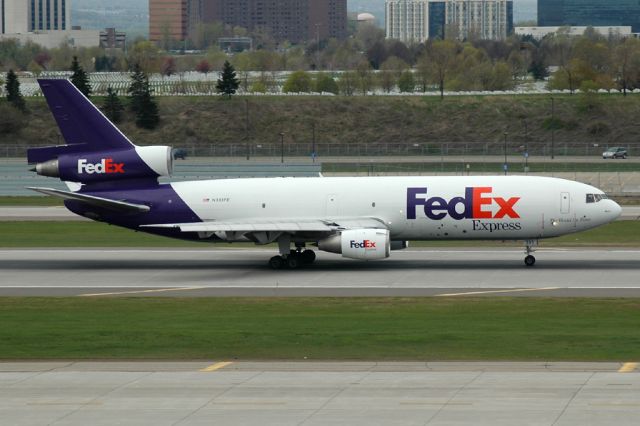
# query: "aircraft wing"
{"type": "Point", "coordinates": [276, 225]}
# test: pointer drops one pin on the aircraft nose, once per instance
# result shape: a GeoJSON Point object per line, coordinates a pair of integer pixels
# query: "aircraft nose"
{"type": "Point", "coordinates": [613, 210]}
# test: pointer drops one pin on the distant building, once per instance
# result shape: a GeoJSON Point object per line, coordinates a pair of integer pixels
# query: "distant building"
{"type": "Point", "coordinates": [488, 19]}
{"type": "Point", "coordinates": [597, 13]}
{"type": "Point", "coordinates": [174, 19]}
{"type": "Point", "coordinates": [23, 16]}
{"type": "Point", "coordinates": [540, 32]}
{"type": "Point", "coordinates": [235, 44]}
{"type": "Point", "coordinates": [112, 39]}
{"type": "Point", "coordinates": [407, 20]}
{"type": "Point", "coordinates": [365, 18]}
{"type": "Point", "coordinates": [297, 21]}
{"type": "Point", "coordinates": [419, 20]}
{"type": "Point", "coordinates": [52, 39]}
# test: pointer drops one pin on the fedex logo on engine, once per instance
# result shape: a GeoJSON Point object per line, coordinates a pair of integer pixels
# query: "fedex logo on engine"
{"type": "Point", "coordinates": [476, 204]}
{"type": "Point", "coordinates": [365, 244]}
{"type": "Point", "coordinates": [107, 165]}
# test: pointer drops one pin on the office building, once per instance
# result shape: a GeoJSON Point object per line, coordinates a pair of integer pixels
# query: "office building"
{"type": "Point", "coordinates": [485, 19]}
{"type": "Point", "coordinates": [23, 16]}
{"type": "Point", "coordinates": [596, 13]}
{"type": "Point", "coordinates": [173, 19]}
{"type": "Point", "coordinates": [297, 21]}
{"type": "Point", "coordinates": [407, 20]}
{"type": "Point", "coordinates": [414, 21]}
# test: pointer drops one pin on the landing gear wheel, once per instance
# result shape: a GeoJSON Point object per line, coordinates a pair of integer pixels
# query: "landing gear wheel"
{"type": "Point", "coordinates": [530, 260]}
{"type": "Point", "coordinates": [293, 262]}
{"type": "Point", "coordinates": [276, 262]}
{"type": "Point", "coordinates": [308, 256]}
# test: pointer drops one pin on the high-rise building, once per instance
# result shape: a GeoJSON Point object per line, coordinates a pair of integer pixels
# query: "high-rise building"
{"type": "Point", "coordinates": [407, 20]}
{"type": "Point", "coordinates": [589, 13]}
{"type": "Point", "coordinates": [418, 20]}
{"type": "Point", "coordinates": [22, 16]}
{"type": "Point", "coordinates": [296, 21]}
{"type": "Point", "coordinates": [173, 19]}
{"type": "Point", "coordinates": [487, 19]}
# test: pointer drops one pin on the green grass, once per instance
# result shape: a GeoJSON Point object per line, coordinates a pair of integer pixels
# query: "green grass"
{"type": "Point", "coordinates": [93, 234]}
{"type": "Point", "coordinates": [320, 329]}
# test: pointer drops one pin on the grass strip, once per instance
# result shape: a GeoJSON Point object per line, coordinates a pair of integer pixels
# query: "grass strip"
{"type": "Point", "coordinates": [525, 329]}
{"type": "Point", "coordinates": [610, 166]}
{"type": "Point", "coordinates": [94, 234]}
{"type": "Point", "coordinates": [28, 201]}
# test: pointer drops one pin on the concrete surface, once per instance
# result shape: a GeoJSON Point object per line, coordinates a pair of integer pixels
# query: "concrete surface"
{"type": "Point", "coordinates": [211, 272]}
{"type": "Point", "coordinates": [309, 393]}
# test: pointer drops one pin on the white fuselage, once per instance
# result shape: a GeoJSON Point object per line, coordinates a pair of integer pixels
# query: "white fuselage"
{"type": "Point", "coordinates": [412, 208]}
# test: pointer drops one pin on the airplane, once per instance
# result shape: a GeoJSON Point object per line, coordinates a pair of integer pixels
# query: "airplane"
{"type": "Point", "coordinates": [114, 181]}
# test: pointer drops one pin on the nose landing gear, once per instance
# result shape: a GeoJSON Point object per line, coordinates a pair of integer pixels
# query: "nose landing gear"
{"type": "Point", "coordinates": [529, 259]}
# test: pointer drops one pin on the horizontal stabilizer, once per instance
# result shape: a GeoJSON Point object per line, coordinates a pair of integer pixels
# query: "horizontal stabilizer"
{"type": "Point", "coordinates": [105, 203]}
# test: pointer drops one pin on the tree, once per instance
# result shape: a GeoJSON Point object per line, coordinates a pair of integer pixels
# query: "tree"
{"type": "Point", "coordinates": [142, 102]}
{"type": "Point", "coordinates": [298, 81]}
{"type": "Point", "coordinates": [406, 83]}
{"type": "Point", "coordinates": [627, 64]}
{"type": "Point", "coordinates": [325, 83]}
{"type": "Point", "coordinates": [12, 88]}
{"type": "Point", "coordinates": [168, 66]}
{"type": "Point", "coordinates": [203, 67]}
{"type": "Point", "coordinates": [80, 79]}
{"type": "Point", "coordinates": [112, 106]}
{"type": "Point", "coordinates": [228, 83]}
{"type": "Point", "coordinates": [442, 55]}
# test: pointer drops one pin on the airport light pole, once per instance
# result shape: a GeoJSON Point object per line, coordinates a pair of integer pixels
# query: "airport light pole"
{"type": "Point", "coordinates": [505, 153]}
{"type": "Point", "coordinates": [281, 147]}
{"type": "Point", "coordinates": [246, 127]}
{"type": "Point", "coordinates": [313, 142]}
{"type": "Point", "coordinates": [526, 147]}
{"type": "Point", "coordinates": [553, 127]}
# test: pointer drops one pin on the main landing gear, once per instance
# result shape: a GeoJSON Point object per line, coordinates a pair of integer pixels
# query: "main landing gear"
{"type": "Point", "coordinates": [291, 259]}
{"type": "Point", "coordinates": [529, 259]}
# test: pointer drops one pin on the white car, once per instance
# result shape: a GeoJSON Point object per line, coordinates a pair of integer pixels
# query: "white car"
{"type": "Point", "coordinates": [615, 152]}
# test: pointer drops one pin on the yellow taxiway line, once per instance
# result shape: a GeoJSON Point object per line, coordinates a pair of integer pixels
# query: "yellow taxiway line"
{"type": "Point", "coordinates": [216, 366]}
{"type": "Point", "coordinates": [159, 290]}
{"type": "Point", "coordinates": [512, 290]}
{"type": "Point", "coordinates": [628, 367]}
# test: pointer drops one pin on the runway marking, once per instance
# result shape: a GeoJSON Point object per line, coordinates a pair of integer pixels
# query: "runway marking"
{"type": "Point", "coordinates": [628, 367]}
{"type": "Point", "coordinates": [513, 290]}
{"type": "Point", "coordinates": [216, 366]}
{"type": "Point", "coordinates": [157, 290]}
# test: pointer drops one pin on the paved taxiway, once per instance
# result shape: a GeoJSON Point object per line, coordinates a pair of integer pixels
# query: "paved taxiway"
{"type": "Point", "coordinates": [240, 272]}
{"type": "Point", "coordinates": [310, 393]}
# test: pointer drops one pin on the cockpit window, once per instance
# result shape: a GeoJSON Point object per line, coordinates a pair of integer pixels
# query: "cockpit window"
{"type": "Point", "coordinates": [594, 198]}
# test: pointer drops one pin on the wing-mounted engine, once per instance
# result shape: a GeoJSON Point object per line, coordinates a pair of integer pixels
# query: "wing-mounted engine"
{"type": "Point", "coordinates": [363, 244]}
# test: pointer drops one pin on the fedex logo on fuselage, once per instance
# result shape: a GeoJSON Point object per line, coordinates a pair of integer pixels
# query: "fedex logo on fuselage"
{"type": "Point", "coordinates": [476, 204]}
{"type": "Point", "coordinates": [107, 165]}
{"type": "Point", "coordinates": [365, 244]}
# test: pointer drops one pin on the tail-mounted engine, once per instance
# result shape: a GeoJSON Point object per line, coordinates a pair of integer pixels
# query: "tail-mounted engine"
{"type": "Point", "coordinates": [90, 167]}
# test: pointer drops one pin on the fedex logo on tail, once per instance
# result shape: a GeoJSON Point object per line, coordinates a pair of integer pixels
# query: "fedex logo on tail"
{"type": "Point", "coordinates": [476, 204]}
{"type": "Point", "coordinates": [365, 244]}
{"type": "Point", "coordinates": [106, 166]}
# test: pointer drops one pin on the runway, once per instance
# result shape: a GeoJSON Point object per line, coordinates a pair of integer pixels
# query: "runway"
{"type": "Point", "coordinates": [311, 393]}
{"type": "Point", "coordinates": [244, 273]}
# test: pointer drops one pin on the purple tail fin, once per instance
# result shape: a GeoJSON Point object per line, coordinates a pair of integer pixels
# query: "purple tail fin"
{"type": "Point", "coordinates": [83, 126]}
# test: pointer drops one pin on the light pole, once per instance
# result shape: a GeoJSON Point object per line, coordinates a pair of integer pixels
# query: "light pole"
{"type": "Point", "coordinates": [313, 142]}
{"type": "Point", "coordinates": [526, 147]}
{"type": "Point", "coordinates": [281, 147]}
{"type": "Point", "coordinates": [553, 128]}
{"type": "Point", "coordinates": [505, 153]}
{"type": "Point", "coordinates": [246, 127]}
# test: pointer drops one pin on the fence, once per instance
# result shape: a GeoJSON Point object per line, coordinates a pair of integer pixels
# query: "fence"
{"type": "Point", "coordinates": [419, 151]}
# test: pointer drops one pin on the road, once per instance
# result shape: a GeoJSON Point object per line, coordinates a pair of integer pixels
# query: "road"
{"type": "Point", "coordinates": [229, 272]}
{"type": "Point", "coordinates": [311, 393]}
